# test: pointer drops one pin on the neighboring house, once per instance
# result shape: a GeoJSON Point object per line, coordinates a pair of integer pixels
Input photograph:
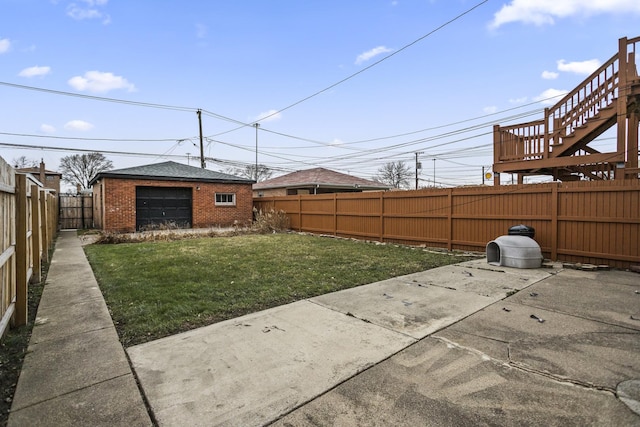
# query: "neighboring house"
{"type": "Point", "coordinates": [145, 197]}
{"type": "Point", "coordinates": [49, 179]}
{"type": "Point", "coordinates": [315, 181]}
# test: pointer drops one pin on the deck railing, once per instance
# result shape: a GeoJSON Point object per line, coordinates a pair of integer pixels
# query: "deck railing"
{"type": "Point", "coordinates": [598, 92]}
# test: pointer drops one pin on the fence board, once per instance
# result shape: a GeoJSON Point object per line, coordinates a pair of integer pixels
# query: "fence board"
{"type": "Point", "coordinates": [36, 234]}
{"type": "Point", "coordinates": [589, 222]}
{"type": "Point", "coordinates": [7, 245]}
{"type": "Point", "coordinates": [76, 211]}
{"type": "Point", "coordinates": [23, 258]}
{"type": "Point", "coordinates": [28, 223]}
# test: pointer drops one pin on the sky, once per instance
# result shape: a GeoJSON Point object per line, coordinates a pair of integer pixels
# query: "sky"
{"type": "Point", "coordinates": [345, 85]}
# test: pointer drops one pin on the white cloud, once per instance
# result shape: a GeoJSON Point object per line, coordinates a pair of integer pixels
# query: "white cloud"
{"type": "Point", "coordinates": [99, 82]}
{"type": "Point", "coordinates": [201, 31]}
{"type": "Point", "coordinates": [550, 96]}
{"type": "Point", "coordinates": [88, 9]}
{"type": "Point", "coordinates": [79, 13]}
{"type": "Point", "coordinates": [47, 128]}
{"type": "Point", "coordinates": [549, 75]}
{"type": "Point", "coordinates": [582, 67]}
{"type": "Point", "coordinates": [79, 125]}
{"type": "Point", "coordinates": [521, 100]}
{"type": "Point", "coordinates": [490, 109]}
{"type": "Point", "coordinates": [336, 142]}
{"type": "Point", "coordinates": [542, 12]}
{"type": "Point", "coordinates": [269, 116]}
{"type": "Point", "coordinates": [365, 56]}
{"type": "Point", "coordinates": [35, 71]}
{"type": "Point", "coordinates": [5, 45]}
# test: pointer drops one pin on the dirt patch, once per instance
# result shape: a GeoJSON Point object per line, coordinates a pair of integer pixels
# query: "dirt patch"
{"type": "Point", "coordinates": [13, 349]}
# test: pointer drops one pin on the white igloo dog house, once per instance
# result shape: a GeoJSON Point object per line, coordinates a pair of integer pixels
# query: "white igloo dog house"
{"type": "Point", "coordinates": [514, 251]}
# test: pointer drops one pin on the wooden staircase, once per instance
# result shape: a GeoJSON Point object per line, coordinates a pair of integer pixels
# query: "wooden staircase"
{"type": "Point", "coordinates": [558, 144]}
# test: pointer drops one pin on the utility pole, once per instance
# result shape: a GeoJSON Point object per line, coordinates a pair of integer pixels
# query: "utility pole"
{"type": "Point", "coordinates": [202, 164]}
{"type": "Point", "coordinates": [418, 167]}
{"type": "Point", "coordinates": [257, 125]}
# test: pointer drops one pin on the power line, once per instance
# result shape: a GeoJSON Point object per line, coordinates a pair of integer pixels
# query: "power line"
{"type": "Point", "coordinates": [94, 139]}
{"type": "Point", "coordinates": [379, 61]}
{"type": "Point", "coordinates": [84, 150]}
{"type": "Point", "coordinates": [99, 98]}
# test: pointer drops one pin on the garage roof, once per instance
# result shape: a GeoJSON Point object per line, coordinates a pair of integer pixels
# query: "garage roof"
{"type": "Point", "coordinates": [171, 171]}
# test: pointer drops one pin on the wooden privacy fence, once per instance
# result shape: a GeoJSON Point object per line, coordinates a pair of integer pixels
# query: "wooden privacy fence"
{"type": "Point", "coordinates": [588, 222]}
{"type": "Point", "coordinates": [76, 211]}
{"type": "Point", "coordinates": [29, 220]}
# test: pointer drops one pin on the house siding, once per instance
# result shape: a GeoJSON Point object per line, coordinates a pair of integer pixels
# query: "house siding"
{"type": "Point", "coordinates": [118, 205]}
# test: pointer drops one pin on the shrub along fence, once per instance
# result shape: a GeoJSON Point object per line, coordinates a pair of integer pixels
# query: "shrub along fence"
{"type": "Point", "coordinates": [587, 222]}
{"type": "Point", "coordinates": [29, 220]}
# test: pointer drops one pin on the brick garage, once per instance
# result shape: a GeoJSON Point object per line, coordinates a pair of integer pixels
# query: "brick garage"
{"type": "Point", "coordinates": [131, 199]}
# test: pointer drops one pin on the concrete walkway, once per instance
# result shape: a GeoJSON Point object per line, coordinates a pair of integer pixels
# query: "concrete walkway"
{"type": "Point", "coordinates": [76, 371]}
{"type": "Point", "coordinates": [442, 347]}
{"type": "Point", "coordinates": [501, 366]}
{"type": "Point", "coordinates": [467, 344]}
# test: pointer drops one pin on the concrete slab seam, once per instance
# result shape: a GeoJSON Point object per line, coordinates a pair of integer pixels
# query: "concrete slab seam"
{"type": "Point", "coordinates": [143, 395]}
{"type": "Point", "coordinates": [499, 270]}
{"type": "Point", "coordinates": [562, 379]}
{"type": "Point", "coordinates": [471, 267]}
{"type": "Point", "coordinates": [525, 368]}
{"type": "Point", "coordinates": [421, 284]}
{"type": "Point", "coordinates": [355, 374]}
{"type": "Point", "coordinates": [61, 337]}
{"type": "Point", "coordinates": [349, 314]}
{"type": "Point", "coordinates": [70, 392]}
{"type": "Point", "coordinates": [482, 355]}
{"type": "Point", "coordinates": [88, 299]}
{"type": "Point", "coordinates": [550, 310]}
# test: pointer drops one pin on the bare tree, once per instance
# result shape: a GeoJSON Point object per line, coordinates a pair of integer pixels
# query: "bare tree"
{"type": "Point", "coordinates": [249, 171]}
{"type": "Point", "coordinates": [396, 174]}
{"type": "Point", "coordinates": [24, 162]}
{"type": "Point", "coordinates": [81, 168]}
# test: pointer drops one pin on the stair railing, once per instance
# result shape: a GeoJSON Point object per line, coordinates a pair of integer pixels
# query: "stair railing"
{"type": "Point", "coordinates": [599, 91]}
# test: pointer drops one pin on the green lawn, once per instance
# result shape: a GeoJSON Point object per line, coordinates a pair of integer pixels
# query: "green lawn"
{"type": "Point", "coordinates": [156, 289]}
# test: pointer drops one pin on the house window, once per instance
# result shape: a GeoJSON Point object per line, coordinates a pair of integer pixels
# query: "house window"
{"type": "Point", "coordinates": [225, 199]}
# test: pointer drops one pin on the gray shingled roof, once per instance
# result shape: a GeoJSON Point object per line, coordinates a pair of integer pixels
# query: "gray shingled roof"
{"type": "Point", "coordinates": [170, 171]}
{"type": "Point", "coordinates": [320, 177]}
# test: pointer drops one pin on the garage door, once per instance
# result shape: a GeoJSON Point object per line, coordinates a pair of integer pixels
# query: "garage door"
{"type": "Point", "coordinates": [158, 206]}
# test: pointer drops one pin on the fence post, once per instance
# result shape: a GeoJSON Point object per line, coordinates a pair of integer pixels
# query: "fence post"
{"type": "Point", "coordinates": [36, 239]}
{"type": "Point", "coordinates": [55, 217]}
{"type": "Point", "coordinates": [554, 221]}
{"type": "Point", "coordinates": [623, 92]}
{"type": "Point", "coordinates": [299, 213]}
{"type": "Point", "coordinates": [450, 220]}
{"type": "Point", "coordinates": [382, 216]}
{"type": "Point", "coordinates": [22, 262]}
{"type": "Point", "coordinates": [335, 214]}
{"type": "Point", "coordinates": [45, 224]}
